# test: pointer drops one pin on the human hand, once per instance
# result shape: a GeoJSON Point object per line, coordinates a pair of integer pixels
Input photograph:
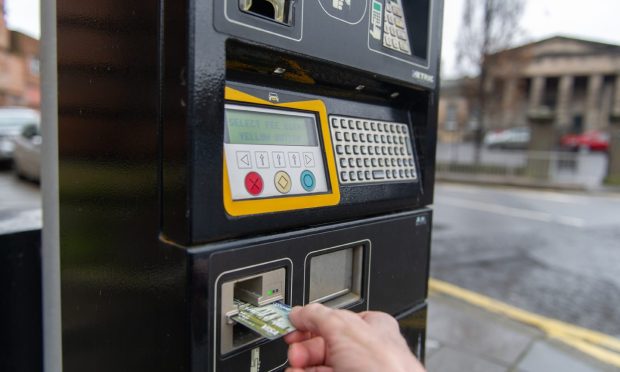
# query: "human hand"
{"type": "Point", "coordinates": [330, 340]}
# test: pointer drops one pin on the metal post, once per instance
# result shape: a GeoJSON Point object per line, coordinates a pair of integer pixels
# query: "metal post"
{"type": "Point", "coordinates": [50, 255]}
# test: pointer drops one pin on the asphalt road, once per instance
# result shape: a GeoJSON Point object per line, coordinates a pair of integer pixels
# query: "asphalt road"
{"type": "Point", "coordinates": [20, 202]}
{"type": "Point", "coordinates": [554, 254]}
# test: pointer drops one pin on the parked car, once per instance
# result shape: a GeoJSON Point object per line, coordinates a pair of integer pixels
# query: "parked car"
{"type": "Point", "coordinates": [27, 153]}
{"type": "Point", "coordinates": [12, 122]}
{"type": "Point", "coordinates": [513, 138]}
{"type": "Point", "coordinates": [593, 141]}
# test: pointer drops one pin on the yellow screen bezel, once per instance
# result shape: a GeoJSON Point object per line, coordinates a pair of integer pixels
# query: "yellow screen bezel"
{"type": "Point", "coordinates": [238, 208]}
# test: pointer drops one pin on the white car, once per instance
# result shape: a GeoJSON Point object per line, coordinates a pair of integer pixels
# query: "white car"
{"type": "Point", "coordinates": [513, 138]}
{"type": "Point", "coordinates": [12, 122]}
{"type": "Point", "coordinates": [27, 153]}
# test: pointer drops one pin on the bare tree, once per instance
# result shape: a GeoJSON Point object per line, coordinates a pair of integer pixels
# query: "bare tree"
{"type": "Point", "coordinates": [488, 26]}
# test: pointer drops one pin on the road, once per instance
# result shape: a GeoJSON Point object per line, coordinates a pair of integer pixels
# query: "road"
{"type": "Point", "coordinates": [555, 254]}
{"type": "Point", "coordinates": [20, 202]}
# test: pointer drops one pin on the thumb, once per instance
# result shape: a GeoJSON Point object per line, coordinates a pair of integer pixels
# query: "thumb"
{"type": "Point", "coordinates": [315, 318]}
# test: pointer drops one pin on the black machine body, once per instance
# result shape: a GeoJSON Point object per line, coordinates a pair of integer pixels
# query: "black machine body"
{"type": "Point", "coordinates": [264, 150]}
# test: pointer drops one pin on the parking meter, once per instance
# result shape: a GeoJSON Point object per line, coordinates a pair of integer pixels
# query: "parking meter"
{"type": "Point", "coordinates": [240, 151]}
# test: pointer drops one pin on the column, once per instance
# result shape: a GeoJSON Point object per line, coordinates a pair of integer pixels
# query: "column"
{"type": "Point", "coordinates": [542, 141]}
{"type": "Point", "coordinates": [509, 103]}
{"type": "Point", "coordinates": [613, 168]}
{"type": "Point", "coordinates": [536, 92]}
{"type": "Point", "coordinates": [593, 102]}
{"type": "Point", "coordinates": [540, 121]}
{"type": "Point", "coordinates": [615, 108]}
{"type": "Point", "coordinates": [565, 95]}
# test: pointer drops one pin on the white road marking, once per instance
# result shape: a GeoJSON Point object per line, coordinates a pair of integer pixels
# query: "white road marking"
{"type": "Point", "coordinates": [552, 197]}
{"type": "Point", "coordinates": [512, 212]}
{"type": "Point", "coordinates": [30, 218]}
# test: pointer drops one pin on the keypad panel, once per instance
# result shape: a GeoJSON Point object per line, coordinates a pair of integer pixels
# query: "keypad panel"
{"type": "Point", "coordinates": [389, 27]}
{"type": "Point", "coordinates": [372, 151]}
{"type": "Point", "coordinates": [395, 35]}
{"type": "Point", "coordinates": [264, 171]}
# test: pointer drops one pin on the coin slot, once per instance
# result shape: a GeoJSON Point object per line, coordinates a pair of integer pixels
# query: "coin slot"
{"type": "Point", "coordinates": [275, 10]}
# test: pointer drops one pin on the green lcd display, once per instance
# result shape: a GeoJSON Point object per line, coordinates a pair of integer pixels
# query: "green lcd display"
{"type": "Point", "coordinates": [258, 127]}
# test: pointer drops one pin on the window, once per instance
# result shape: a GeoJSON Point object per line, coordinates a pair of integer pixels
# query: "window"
{"type": "Point", "coordinates": [35, 66]}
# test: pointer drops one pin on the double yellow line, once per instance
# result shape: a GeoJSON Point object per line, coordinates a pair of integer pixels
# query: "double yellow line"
{"type": "Point", "coordinates": [595, 344]}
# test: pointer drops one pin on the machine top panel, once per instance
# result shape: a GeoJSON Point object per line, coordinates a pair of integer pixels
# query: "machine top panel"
{"type": "Point", "coordinates": [393, 38]}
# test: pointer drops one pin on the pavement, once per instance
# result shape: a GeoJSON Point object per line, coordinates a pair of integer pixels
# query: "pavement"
{"type": "Point", "coordinates": [466, 337]}
{"type": "Point", "coordinates": [20, 203]}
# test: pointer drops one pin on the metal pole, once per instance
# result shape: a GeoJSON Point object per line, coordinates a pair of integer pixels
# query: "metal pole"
{"type": "Point", "coordinates": [50, 255]}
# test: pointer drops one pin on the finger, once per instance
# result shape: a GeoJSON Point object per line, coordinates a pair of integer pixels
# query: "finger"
{"type": "Point", "coordinates": [308, 353]}
{"type": "Point", "coordinates": [311, 369]}
{"type": "Point", "coordinates": [319, 369]}
{"type": "Point", "coordinates": [290, 369]}
{"type": "Point", "coordinates": [297, 336]}
{"type": "Point", "coordinates": [316, 318]}
{"type": "Point", "coordinates": [380, 320]}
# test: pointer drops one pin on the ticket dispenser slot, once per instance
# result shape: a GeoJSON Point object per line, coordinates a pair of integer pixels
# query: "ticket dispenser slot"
{"type": "Point", "coordinates": [258, 290]}
{"type": "Point", "coordinates": [276, 10]}
{"type": "Point", "coordinates": [336, 277]}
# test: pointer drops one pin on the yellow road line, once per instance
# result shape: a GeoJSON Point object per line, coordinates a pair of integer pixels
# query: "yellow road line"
{"type": "Point", "coordinates": [598, 345]}
{"type": "Point", "coordinates": [604, 355]}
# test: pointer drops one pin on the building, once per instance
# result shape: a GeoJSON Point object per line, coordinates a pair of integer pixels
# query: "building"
{"type": "Point", "coordinates": [19, 67]}
{"type": "Point", "coordinates": [455, 119]}
{"type": "Point", "coordinates": [573, 83]}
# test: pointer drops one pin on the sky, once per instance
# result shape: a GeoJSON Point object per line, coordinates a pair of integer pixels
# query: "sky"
{"type": "Point", "coordinates": [24, 16]}
{"type": "Point", "coordinates": [594, 20]}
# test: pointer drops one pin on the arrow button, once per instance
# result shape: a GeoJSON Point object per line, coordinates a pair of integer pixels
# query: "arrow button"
{"type": "Point", "coordinates": [308, 160]}
{"type": "Point", "coordinates": [279, 161]}
{"type": "Point", "coordinates": [244, 160]}
{"type": "Point", "coordinates": [293, 159]}
{"type": "Point", "coordinates": [262, 159]}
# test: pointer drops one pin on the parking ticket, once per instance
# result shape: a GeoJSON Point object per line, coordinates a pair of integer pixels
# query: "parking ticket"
{"type": "Point", "coordinates": [270, 321]}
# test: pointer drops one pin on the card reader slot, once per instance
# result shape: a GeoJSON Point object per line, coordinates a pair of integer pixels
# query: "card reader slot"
{"type": "Point", "coordinates": [259, 290]}
{"type": "Point", "coordinates": [257, 293]}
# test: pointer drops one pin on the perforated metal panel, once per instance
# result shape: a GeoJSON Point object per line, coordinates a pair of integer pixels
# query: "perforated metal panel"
{"type": "Point", "coordinates": [371, 151]}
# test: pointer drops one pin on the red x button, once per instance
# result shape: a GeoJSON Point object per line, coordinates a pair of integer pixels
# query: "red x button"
{"type": "Point", "coordinates": [254, 183]}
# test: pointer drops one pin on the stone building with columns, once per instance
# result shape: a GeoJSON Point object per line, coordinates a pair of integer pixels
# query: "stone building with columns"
{"type": "Point", "coordinates": [573, 83]}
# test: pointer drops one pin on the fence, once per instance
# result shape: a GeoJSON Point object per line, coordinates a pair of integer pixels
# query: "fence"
{"type": "Point", "coordinates": [561, 168]}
